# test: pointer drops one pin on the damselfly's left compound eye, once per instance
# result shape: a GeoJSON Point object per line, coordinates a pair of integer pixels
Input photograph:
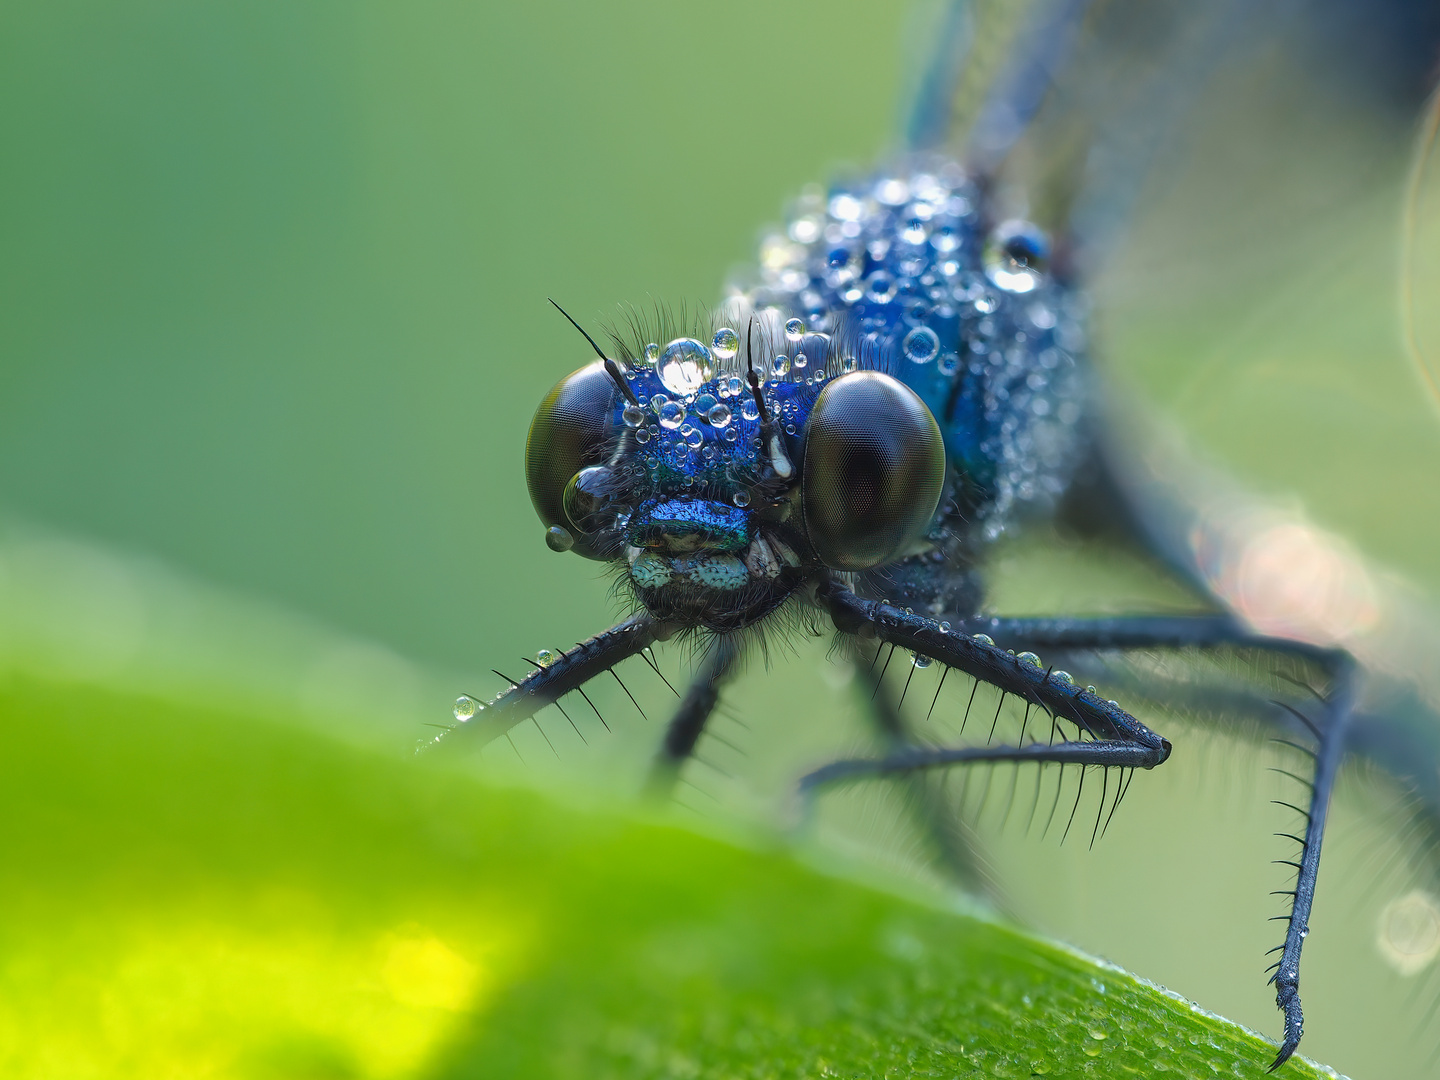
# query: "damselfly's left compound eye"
{"type": "Point", "coordinates": [570, 433]}
{"type": "Point", "coordinates": [874, 468]}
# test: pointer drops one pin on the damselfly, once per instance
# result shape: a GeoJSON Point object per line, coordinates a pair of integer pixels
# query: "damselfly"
{"type": "Point", "coordinates": [905, 383]}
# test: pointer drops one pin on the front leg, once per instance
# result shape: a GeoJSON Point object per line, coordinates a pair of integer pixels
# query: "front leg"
{"type": "Point", "coordinates": [1026, 680]}
{"type": "Point", "coordinates": [570, 671]}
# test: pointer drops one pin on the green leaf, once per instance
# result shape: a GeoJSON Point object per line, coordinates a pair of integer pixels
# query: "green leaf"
{"type": "Point", "coordinates": [198, 893]}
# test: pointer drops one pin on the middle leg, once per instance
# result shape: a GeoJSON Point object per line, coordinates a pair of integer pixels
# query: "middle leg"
{"type": "Point", "coordinates": [688, 723]}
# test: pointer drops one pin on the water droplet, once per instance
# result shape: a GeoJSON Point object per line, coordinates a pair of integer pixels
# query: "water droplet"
{"type": "Point", "coordinates": [920, 660]}
{"type": "Point", "coordinates": [849, 364]}
{"type": "Point", "coordinates": [921, 345]}
{"type": "Point", "coordinates": [846, 207]}
{"type": "Point", "coordinates": [780, 365]}
{"type": "Point", "coordinates": [671, 415]}
{"type": "Point", "coordinates": [800, 361]}
{"type": "Point", "coordinates": [546, 657]}
{"type": "Point", "coordinates": [945, 240]}
{"type": "Point", "coordinates": [466, 707]}
{"type": "Point", "coordinates": [880, 287]}
{"type": "Point", "coordinates": [984, 639]}
{"type": "Point", "coordinates": [1041, 317]}
{"type": "Point", "coordinates": [642, 436]}
{"type": "Point", "coordinates": [685, 366]}
{"type": "Point", "coordinates": [1028, 658]}
{"type": "Point", "coordinates": [633, 416]}
{"type": "Point", "coordinates": [741, 498]}
{"type": "Point", "coordinates": [892, 191]}
{"type": "Point", "coordinates": [914, 232]}
{"type": "Point", "coordinates": [948, 364]}
{"type": "Point", "coordinates": [658, 402]}
{"type": "Point", "coordinates": [1016, 256]}
{"type": "Point", "coordinates": [730, 435]}
{"type": "Point", "coordinates": [749, 410]}
{"type": "Point", "coordinates": [794, 329]}
{"type": "Point", "coordinates": [719, 416]}
{"type": "Point", "coordinates": [652, 353]}
{"type": "Point", "coordinates": [558, 538]}
{"type": "Point", "coordinates": [944, 627]}
{"type": "Point", "coordinates": [735, 385]}
{"type": "Point", "coordinates": [1063, 676]}
{"type": "Point", "coordinates": [693, 438]}
{"type": "Point", "coordinates": [1096, 1033]}
{"type": "Point", "coordinates": [804, 230]}
{"type": "Point", "coordinates": [726, 343]}
{"type": "Point", "coordinates": [704, 403]}
{"type": "Point", "coordinates": [789, 429]}
{"type": "Point", "coordinates": [1090, 689]}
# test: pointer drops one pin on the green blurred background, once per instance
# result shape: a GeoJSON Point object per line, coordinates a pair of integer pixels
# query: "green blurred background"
{"type": "Point", "coordinates": [275, 274]}
{"type": "Point", "coordinates": [274, 323]}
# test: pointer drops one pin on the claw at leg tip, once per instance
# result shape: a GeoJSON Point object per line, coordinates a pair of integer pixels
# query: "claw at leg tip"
{"type": "Point", "coordinates": [1286, 1049]}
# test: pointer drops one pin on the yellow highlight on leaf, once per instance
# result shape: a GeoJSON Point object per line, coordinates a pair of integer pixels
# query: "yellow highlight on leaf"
{"type": "Point", "coordinates": [421, 970]}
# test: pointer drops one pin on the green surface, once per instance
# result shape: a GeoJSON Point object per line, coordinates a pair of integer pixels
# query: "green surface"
{"type": "Point", "coordinates": [190, 892]}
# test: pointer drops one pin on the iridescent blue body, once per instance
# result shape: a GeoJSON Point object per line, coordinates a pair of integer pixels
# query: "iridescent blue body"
{"type": "Point", "coordinates": [960, 308]}
{"type": "Point", "coordinates": [901, 272]}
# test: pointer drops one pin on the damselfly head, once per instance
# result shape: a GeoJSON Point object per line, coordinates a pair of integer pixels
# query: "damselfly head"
{"type": "Point", "coordinates": [726, 466]}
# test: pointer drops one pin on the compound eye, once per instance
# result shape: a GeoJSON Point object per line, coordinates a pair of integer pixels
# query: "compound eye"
{"type": "Point", "coordinates": [569, 433]}
{"type": "Point", "coordinates": [874, 468]}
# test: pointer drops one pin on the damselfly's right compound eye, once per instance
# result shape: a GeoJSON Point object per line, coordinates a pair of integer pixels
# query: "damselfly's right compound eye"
{"type": "Point", "coordinates": [874, 467]}
{"type": "Point", "coordinates": [568, 435]}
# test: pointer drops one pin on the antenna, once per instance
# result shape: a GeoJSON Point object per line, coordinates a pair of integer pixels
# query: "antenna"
{"type": "Point", "coordinates": [611, 367]}
{"type": "Point", "coordinates": [750, 372]}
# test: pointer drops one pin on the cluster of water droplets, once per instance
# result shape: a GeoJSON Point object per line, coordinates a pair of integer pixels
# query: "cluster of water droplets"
{"type": "Point", "coordinates": [911, 265]}
{"type": "Point", "coordinates": [696, 418]}
{"type": "Point", "coordinates": [685, 404]}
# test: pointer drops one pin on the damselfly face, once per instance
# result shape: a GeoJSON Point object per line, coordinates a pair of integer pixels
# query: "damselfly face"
{"type": "Point", "coordinates": [719, 489]}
